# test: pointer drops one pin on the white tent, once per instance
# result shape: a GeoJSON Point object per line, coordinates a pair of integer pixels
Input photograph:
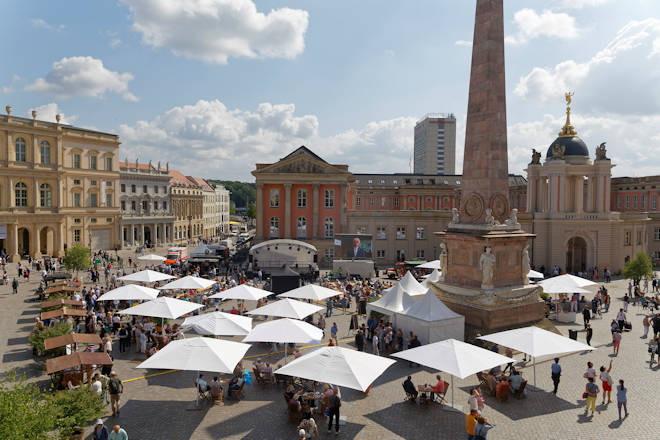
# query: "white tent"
{"type": "Point", "coordinates": [431, 320]}
{"type": "Point", "coordinates": [151, 258]}
{"type": "Point", "coordinates": [411, 286]}
{"type": "Point", "coordinates": [287, 308]}
{"type": "Point", "coordinates": [189, 282]}
{"type": "Point", "coordinates": [283, 331]}
{"type": "Point", "coordinates": [310, 291]}
{"type": "Point", "coordinates": [242, 291]}
{"type": "Point", "coordinates": [535, 274]}
{"type": "Point", "coordinates": [219, 324]}
{"type": "Point", "coordinates": [130, 292]}
{"type": "Point", "coordinates": [162, 307]}
{"type": "Point", "coordinates": [536, 342]}
{"type": "Point", "coordinates": [146, 276]}
{"type": "Point", "coordinates": [338, 366]}
{"type": "Point", "coordinates": [454, 357]}
{"type": "Point", "coordinates": [565, 284]}
{"type": "Point", "coordinates": [435, 264]}
{"type": "Point", "coordinates": [431, 278]}
{"type": "Point", "coordinates": [394, 300]}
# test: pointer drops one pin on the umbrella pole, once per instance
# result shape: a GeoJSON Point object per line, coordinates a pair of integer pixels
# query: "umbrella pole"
{"type": "Point", "coordinates": [452, 391]}
{"type": "Point", "coordinates": [534, 362]}
{"type": "Point", "coordinates": [285, 351]}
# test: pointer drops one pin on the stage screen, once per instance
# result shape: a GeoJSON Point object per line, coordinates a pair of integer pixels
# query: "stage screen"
{"type": "Point", "coordinates": [353, 246]}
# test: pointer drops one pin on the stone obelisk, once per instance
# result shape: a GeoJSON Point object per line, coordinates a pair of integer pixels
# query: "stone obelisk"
{"type": "Point", "coordinates": [485, 250]}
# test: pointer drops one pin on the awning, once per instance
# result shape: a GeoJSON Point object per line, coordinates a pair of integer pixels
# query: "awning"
{"type": "Point", "coordinates": [77, 360]}
{"type": "Point", "coordinates": [415, 262]}
{"type": "Point", "coordinates": [64, 311]}
{"type": "Point", "coordinates": [61, 302]}
{"type": "Point", "coordinates": [71, 338]}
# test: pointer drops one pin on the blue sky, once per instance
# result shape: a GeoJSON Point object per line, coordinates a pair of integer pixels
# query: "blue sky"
{"type": "Point", "coordinates": [213, 86]}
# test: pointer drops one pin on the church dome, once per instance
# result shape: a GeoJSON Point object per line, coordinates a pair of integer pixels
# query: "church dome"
{"type": "Point", "coordinates": [572, 146]}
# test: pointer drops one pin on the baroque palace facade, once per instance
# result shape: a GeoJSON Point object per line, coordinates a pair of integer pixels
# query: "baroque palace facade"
{"type": "Point", "coordinates": [58, 187]}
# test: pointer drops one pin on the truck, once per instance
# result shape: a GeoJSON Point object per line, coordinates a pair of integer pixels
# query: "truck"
{"type": "Point", "coordinates": [176, 255]}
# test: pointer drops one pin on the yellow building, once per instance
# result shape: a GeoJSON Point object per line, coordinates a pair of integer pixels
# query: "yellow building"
{"type": "Point", "coordinates": [187, 204]}
{"type": "Point", "coordinates": [58, 187]}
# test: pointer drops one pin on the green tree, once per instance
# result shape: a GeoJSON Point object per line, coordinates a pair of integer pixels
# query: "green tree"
{"type": "Point", "coordinates": [77, 258]}
{"type": "Point", "coordinates": [638, 268]}
{"type": "Point", "coordinates": [251, 211]}
{"type": "Point", "coordinates": [232, 210]}
{"type": "Point", "coordinates": [39, 336]}
{"type": "Point", "coordinates": [75, 408]}
{"type": "Point", "coordinates": [24, 412]}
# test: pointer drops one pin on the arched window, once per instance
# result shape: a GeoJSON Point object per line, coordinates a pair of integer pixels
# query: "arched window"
{"type": "Point", "coordinates": [302, 198]}
{"type": "Point", "coordinates": [274, 227]}
{"type": "Point", "coordinates": [20, 150]}
{"type": "Point", "coordinates": [329, 227]}
{"type": "Point", "coordinates": [45, 153]}
{"type": "Point", "coordinates": [46, 195]}
{"type": "Point", "coordinates": [301, 227]}
{"type": "Point", "coordinates": [21, 194]}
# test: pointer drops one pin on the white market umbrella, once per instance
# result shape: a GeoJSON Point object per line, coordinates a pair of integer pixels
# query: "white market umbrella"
{"type": "Point", "coordinates": [243, 292]}
{"type": "Point", "coordinates": [198, 354]}
{"type": "Point", "coordinates": [435, 264]}
{"type": "Point", "coordinates": [188, 282]}
{"type": "Point", "coordinates": [310, 291]}
{"type": "Point", "coordinates": [219, 324]}
{"type": "Point", "coordinates": [339, 366]}
{"type": "Point", "coordinates": [162, 307]}
{"type": "Point", "coordinates": [151, 258]}
{"type": "Point", "coordinates": [130, 292]}
{"type": "Point", "coordinates": [287, 308]}
{"type": "Point", "coordinates": [535, 342]}
{"type": "Point", "coordinates": [535, 274]}
{"type": "Point", "coordinates": [454, 357]}
{"type": "Point", "coordinates": [285, 331]}
{"type": "Point", "coordinates": [146, 276]}
{"type": "Point", "coordinates": [411, 286]}
{"type": "Point", "coordinates": [565, 284]}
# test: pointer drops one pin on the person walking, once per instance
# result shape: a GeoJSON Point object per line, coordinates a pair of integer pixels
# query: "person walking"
{"type": "Point", "coordinates": [590, 334]}
{"type": "Point", "coordinates": [621, 319]}
{"type": "Point", "coordinates": [333, 332]}
{"type": "Point", "coordinates": [374, 343]}
{"type": "Point", "coordinates": [116, 388]}
{"type": "Point", "coordinates": [646, 323]}
{"type": "Point", "coordinates": [101, 431]}
{"type": "Point", "coordinates": [471, 423]}
{"type": "Point", "coordinates": [587, 316]}
{"type": "Point", "coordinates": [328, 308]}
{"type": "Point", "coordinates": [359, 340]}
{"type": "Point", "coordinates": [481, 428]}
{"type": "Point", "coordinates": [606, 380]}
{"type": "Point", "coordinates": [334, 403]}
{"type": "Point", "coordinates": [118, 433]}
{"type": "Point", "coordinates": [555, 370]}
{"type": "Point", "coordinates": [621, 398]}
{"type": "Point", "coordinates": [591, 393]}
{"type": "Point", "coordinates": [616, 342]}
{"type": "Point", "coordinates": [14, 286]}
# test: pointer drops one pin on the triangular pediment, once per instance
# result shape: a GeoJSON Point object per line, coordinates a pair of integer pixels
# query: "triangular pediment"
{"type": "Point", "coordinates": [302, 161]}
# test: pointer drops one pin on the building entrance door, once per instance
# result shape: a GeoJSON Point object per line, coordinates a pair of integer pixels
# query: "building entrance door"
{"type": "Point", "coordinates": [576, 255]}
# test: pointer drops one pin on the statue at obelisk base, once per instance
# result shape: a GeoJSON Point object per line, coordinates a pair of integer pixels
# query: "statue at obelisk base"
{"type": "Point", "coordinates": [484, 277]}
{"type": "Point", "coordinates": [443, 260]}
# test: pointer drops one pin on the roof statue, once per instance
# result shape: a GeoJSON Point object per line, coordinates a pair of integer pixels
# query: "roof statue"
{"type": "Point", "coordinates": [568, 130]}
{"type": "Point", "coordinates": [536, 157]}
{"type": "Point", "coordinates": [601, 152]}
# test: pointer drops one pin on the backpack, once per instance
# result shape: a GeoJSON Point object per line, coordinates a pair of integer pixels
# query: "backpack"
{"type": "Point", "coordinates": [115, 386]}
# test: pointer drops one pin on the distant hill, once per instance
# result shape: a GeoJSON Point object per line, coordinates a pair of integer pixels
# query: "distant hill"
{"type": "Point", "coordinates": [242, 193]}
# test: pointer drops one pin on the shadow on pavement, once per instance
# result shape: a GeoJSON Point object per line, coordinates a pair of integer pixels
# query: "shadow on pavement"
{"type": "Point", "coordinates": [411, 421]}
{"type": "Point", "coordinates": [17, 356]}
{"type": "Point", "coordinates": [17, 341]}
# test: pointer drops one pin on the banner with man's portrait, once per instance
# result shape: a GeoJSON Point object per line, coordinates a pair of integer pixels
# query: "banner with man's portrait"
{"type": "Point", "coordinates": [354, 246]}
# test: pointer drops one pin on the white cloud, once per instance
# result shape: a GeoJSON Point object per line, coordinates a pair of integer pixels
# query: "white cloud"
{"type": "Point", "coordinates": [579, 4]}
{"type": "Point", "coordinates": [115, 42]}
{"type": "Point", "coordinates": [631, 140]}
{"type": "Point", "coordinates": [11, 87]}
{"type": "Point", "coordinates": [464, 43]}
{"type": "Point", "coordinates": [215, 30]}
{"type": "Point", "coordinates": [548, 24]}
{"type": "Point", "coordinates": [43, 24]}
{"type": "Point", "coordinates": [48, 111]}
{"type": "Point", "coordinates": [545, 83]}
{"type": "Point", "coordinates": [83, 76]}
{"type": "Point", "coordinates": [208, 139]}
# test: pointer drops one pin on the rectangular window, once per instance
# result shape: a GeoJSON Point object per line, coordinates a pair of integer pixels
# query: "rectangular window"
{"type": "Point", "coordinates": [76, 181]}
{"type": "Point", "coordinates": [400, 232]}
{"type": "Point", "coordinates": [619, 202]}
{"type": "Point", "coordinates": [92, 162]}
{"type": "Point", "coordinates": [627, 202]}
{"type": "Point", "coordinates": [654, 202]}
{"type": "Point", "coordinates": [371, 202]}
{"type": "Point", "coordinates": [164, 206]}
{"type": "Point", "coordinates": [639, 238]}
{"type": "Point", "coordinates": [381, 233]}
{"type": "Point", "coordinates": [123, 187]}
{"type": "Point", "coordinates": [144, 205]}
{"type": "Point", "coordinates": [626, 238]}
{"type": "Point", "coordinates": [634, 205]}
{"type": "Point", "coordinates": [380, 253]}
{"type": "Point", "coordinates": [133, 188]}
{"type": "Point", "coordinates": [156, 206]}
{"type": "Point", "coordinates": [93, 220]}
{"type": "Point", "coordinates": [329, 198]}
{"type": "Point", "coordinates": [156, 189]}
{"type": "Point", "coordinates": [396, 202]}
{"type": "Point", "coordinates": [92, 182]}
{"type": "Point", "coordinates": [361, 230]}
{"type": "Point", "coordinates": [123, 205]}
{"type": "Point", "coordinates": [108, 164]}
{"type": "Point", "coordinates": [383, 202]}
{"type": "Point", "coordinates": [133, 205]}
{"type": "Point", "coordinates": [93, 200]}
{"type": "Point", "coordinates": [357, 201]}
{"type": "Point", "coordinates": [76, 220]}
{"type": "Point", "coordinates": [329, 255]}
{"type": "Point", "coordinates": [108, 200]}
{"type": "Point", "coordinates": [302, 198]}
{"type": "Point", "coordinates": [274, 198]}
{"type": "Point", "coordinates": [76, 235]}
{"type": "Point", "coordinates": [76, 200]}
{"type": "Point", "coordinates": [420, 234]}
{"type": "Point", "coordinates": [76, 160]}
{"type": "Point", "coordinates": [420, 254]}
{"type": "Point", "coordinates": [144, 189]}
{"type": "Point", "coordinates": [643, 201]}
{"type": "Point", "coordinates": [656, 234]}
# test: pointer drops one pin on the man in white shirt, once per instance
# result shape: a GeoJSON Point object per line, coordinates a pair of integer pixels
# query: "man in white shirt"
{"type": "Point", "coordinates": [621, 319]}
{"type": "Point", "coordinates": [97, 386]}
{"type": "Point", "coordinates": [374, 342]}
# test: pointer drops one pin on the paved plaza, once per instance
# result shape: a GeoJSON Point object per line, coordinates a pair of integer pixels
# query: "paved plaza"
{"type": "Point", "coordinates": [156, 406]}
